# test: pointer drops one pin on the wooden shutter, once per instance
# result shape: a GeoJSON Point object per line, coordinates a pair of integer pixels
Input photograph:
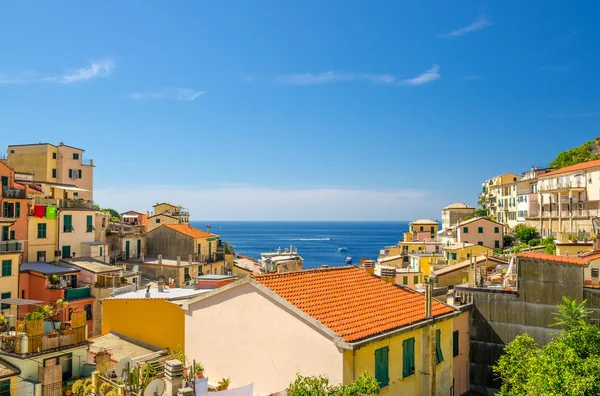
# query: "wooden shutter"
{"type": "Point", "coordinates": [18, 209]}
{"type": "Point", "coordinates": [439, 357]}
{"type": "Point", "coordinates": [381, 366]}
{"type": "Point", "coordinates": [6, 267]}
{"type": "Point", "coordinates": [455, 349]}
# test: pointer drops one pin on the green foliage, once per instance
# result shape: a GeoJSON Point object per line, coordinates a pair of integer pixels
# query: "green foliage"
{"type": "Point", "coordinates": [319, 386]}
{"type": "Point", "coordinates": [568, 365]}
{"type": "Point", "coordinates": [481, 213]}
{"type": "Point", "coordinates": [89, 390]}
{"type": "Point", "coordinates": [525, 234]}
{"type": "Point", "coordinates": [178, 354]}
{"type": "Point", "coordinates": [112, 213]}
{"type": "Point", "coordinates": [468, 217]}
{"type": "Point", "coordinates": [111, 393]}
{"type": "Point", "coordinates": [77, 387]}
{"type": "Point", "coordinates": [104, 387]}
{"type": "Point", "coordinates": [577, 155]}
{"type": "Point", "coordinates": [550, 246]}
{"type": "Point", "coordinates": [534, 242]}
{"type": "Point", "coordinates": [224, 383]}
{"type": "Point", "coordinates": [508, 240]}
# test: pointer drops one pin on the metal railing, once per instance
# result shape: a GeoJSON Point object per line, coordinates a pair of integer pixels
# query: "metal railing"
{"type": "Point", "coordinates": [64, 203]}
{"type": "Point", "coordinates": [77, 293]}
{"type": "Point", "coordinates": [18, 193]}
{"type": "Point", "coordinates": [11, 246]}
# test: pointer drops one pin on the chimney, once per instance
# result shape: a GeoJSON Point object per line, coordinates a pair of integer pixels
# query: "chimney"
{"type": "Point", "coordinates": [595, 273]}
{"type": "Point", "coordinates": [388, 275]}
{"type": "Point", "coordinates": [190, 259]}
{"type": "Point", "coordinates": [141, 257]}
{"type": "Point", "coordinates": [369, 267]}
{"type": "Point", "coordinates": [450, 297]}
{"type": "Point", "coordinates": [428, 297]}
{"type": "Point", "coordinates": [178, 261]}
{"type": "Point", "coordinates": [160, 259]}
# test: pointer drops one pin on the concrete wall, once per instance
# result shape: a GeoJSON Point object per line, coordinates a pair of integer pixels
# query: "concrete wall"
{"type": "Point", "coordinates": [452, 217]}
{"type": "Point", "coordinates": [154, 271]}
{"type": "Point", "coordinates": [157, 221]}
{"type": "Point", "coordinates": [36, 159]}
{"type": "Point", "coordinates": [169, 243]}
{"type": "Point", "coordinates": [271, 348]}
{"type": "Point", "coordinates": [101, 225]}
{"type": "Point", "coordinates": [460, 363]}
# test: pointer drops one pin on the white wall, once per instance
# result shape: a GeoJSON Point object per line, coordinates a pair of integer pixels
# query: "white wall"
{"type": "Point", "coordinates": [268, 350]}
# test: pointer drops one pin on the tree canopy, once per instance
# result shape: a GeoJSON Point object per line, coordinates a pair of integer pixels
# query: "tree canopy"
{"type": "Point", "coordinates": [319, 386]}
{"type": "Point", "coordinates": [568, 365]}
{"type": "Point", "coordinates": [526, 234]}
{"type": "Point", "coordinates": [577, 155]}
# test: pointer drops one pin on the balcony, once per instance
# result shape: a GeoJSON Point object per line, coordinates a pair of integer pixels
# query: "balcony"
{"type": "Point", "coordinates": [64, 203]}
{"type": "Point", "coordinates": [565, 214]}
{"type": "Point", "coordinates": [181, 212]}
{"type": "Point", "coordinates": [77, 293]}
{"type": "Point", "coordinates": [11, 247]}
{"type": "Point", "coordinates": [17, 193]}
{"type": "Point", "coordinates": [562, 186]}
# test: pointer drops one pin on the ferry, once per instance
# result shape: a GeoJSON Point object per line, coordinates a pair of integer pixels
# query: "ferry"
{"type": "Point", "coordinates": [343, 249]}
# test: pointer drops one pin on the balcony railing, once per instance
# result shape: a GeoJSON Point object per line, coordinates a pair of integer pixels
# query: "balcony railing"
{"type": "Point", "coordinates": [64, 203]}
{"type": "Point", "coordinates": [567, 214]}
{"type": "Point", "coordinates": [18, 193]}
{"type": "Point", "coordinates": [77, 293]}
{"type": "Point", "coordinates": [21, 344]}
{"type": "Point", "coordinates": [11, 246]}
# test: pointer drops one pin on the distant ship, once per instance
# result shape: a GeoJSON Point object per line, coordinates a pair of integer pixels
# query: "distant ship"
{"type": "Point", "coordinates": [348, 260]}
{"type": "Point", "coordinates": [343, 249]}
{"type": "Point", "coordinates": [326, 239]}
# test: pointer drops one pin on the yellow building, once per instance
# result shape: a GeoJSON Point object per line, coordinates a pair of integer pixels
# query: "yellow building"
{"type": "Point", "coordinates": [54, 164]}
{"type": "Point", "coordinates": [9, 276]}
{"type": "Point", "coordinates": [464, 251]}
{"type": "Point", "coordinates": [181, 214]}
{"type": "Point", "coordinates": [42, 241]}
{"type": "Point", "coordinates": [495, 191]}
{"type": "Point", "coordinates": [399, 336]}
{"type": "Point", "coordinates": [160, 219]}
{"type": "Point", "coordinates": [420, 228]}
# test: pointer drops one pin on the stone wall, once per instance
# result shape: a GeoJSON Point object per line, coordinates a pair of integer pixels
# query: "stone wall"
{"type": "Point", "coordinates": [169, 243]}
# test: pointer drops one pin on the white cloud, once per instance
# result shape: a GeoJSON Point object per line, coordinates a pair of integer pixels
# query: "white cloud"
{"type": "Point", "coordinates": [331, 77]}
{"type": "Point", "coordinates": [98, 68]}
{"type": "Point", "coordinates": [185, 94]}
{"type": "Point", "coordinates": [424, 78]}
{"type": "Point", "coordinates": [478, 24]}
{"type": "Point", "coordinates": [265, 203]}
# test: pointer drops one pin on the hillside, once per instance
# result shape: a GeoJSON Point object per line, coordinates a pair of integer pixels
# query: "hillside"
{"type": "Point", "coordinates": [586, 152]}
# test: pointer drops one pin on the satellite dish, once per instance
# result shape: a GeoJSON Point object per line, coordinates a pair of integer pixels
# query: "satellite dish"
{"type": "Point", "coordinates": [155, 388]}
{"type": "Point", "coordinates": [122, 367]}
{"type": "Point", "coordinates": [136, 268]}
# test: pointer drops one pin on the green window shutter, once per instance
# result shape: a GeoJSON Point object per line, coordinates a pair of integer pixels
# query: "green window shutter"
{"type": "Point", "coordinates": [416, 279]}
{"type": "Point", "coordinates": [480, 230]}
{"type": "Point", "coordinates": [18, 209]}
{"type": "Point", "coordinates": [75, 156]}
{"type": "Point", "coordinates": [496, 230]}
{"type": "Point", "coordinates": [12, 234]}
{"type": "Point", "coordinates": [66, 251]}
{"type": "Point", "coordinates": [421, 228]}
{"type": "Point", "coordinates": [101, 251]}
{"type": "Point", "coordinates": [89, 225]}
{"type": "Point", "coordinates": [186, 273]}
{"type": "Point", "coordinates": [480, 243]}
{"type": "Point", "coordinates": [5, 233]}
{"type": "Point", "coordinates": [5, 209]}
{"type": "Point", "coordinates": [41, 231]}
{"type": "Point", "coordinates": [70, 173]}
{"type": "Point", "coordinates": [497, 244]}
{"type": "Point", "coordinates": [200, 270]}
{"type": "Point", "coordinates": [54, 173]}
{"type": "Point", "coordinates": [454, 256]}
{"type": "Point", "coordinates": [4, 181]}
{"type": "Point", "coordinates": [6, 268]}
{"type": "Point", "coordinates": [3, 296]}
{"type": "Point", "coordinates": [381, 366]}
{"type": "Point", "coordinates": [5, 387]}
{"type": "Point", "coordinates": [79, 173]}
{"type": "Point", "coordinates": [68, 223]}
{"type": "Point", "coordinates": [455, 343]}
{"type": "Point", "coordinates": [439, 357]}
{"type": "Point", "coordinates": [405, 280]}
{"type": "Point", "coordinates": [466, 230]}
{"type": "Point", "coordinates": [408, 357]}
{"type": "Point", "coordinates": [199, 250]}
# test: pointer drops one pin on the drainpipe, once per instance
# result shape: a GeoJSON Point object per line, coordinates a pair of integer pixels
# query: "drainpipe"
{"type": "Point", "coordinates": [354, 365]}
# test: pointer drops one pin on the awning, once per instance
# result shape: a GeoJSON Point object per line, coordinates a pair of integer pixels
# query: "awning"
{"type": "Point", "coordinates": [129, 216]}
{"type": "Point", "coordinates": [19, 301]}
{"type": "Point", "coordinates": [70, 188]}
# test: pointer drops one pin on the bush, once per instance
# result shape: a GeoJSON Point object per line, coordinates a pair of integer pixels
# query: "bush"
{"type": "Point", "coordinates": [508, 240]}
{"type": "Point", "coordinates": [88, 390]}
{"type": "Point", "coordinates": [105, 387]}
{"type": "Point", "coordinates": [481, 213]}
{"type": "Point", "coordinates": [319, 386]}
{"type": "Point", "coordinates": [525, 234]}
{"type": "Point", "coordinates": [534, 242]}
{"type": "Point", "coordinates": [77, 387]}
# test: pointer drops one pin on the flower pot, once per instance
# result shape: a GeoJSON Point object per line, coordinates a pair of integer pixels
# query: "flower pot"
{"type": "Point", "coordinates": [200, 374]}
{"type": "Point", "coordinates": [220, 388]}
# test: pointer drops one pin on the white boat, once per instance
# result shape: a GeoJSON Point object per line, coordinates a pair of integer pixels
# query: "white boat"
{"type": "Point", "coordinates": [348, 260]}
{"type": "Point", "coordinates": [343, 249]}
{"type": "Point", "coordinates": [326, 239]}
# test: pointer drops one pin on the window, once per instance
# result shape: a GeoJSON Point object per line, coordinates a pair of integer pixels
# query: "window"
{"type": "Point", "coordinates": [53, 155]}
{"type": "Point", "coordinates": [432, 229]}
{"type": "Point", "coordinates": [480, 230]}
{"type": "Point", "coordinates": [12, 234]}
{"type": "Point", "coordinates": [101, 251]}
{"type": "Point", "coordinates": [41, 256]}
{"type": "Point", "coordinates": [416, 279]}
{"type": "Point", "coordinates": [70, 173]}
{"type": "Point", "coordinates": [89, 223]}
{"type": "Point", "coordinates": [186, 273]}
{"type": "Point", "coordinates": [408, 357]}
{"type": "Point", "coordinates": [199, 250]}
{"type": "Point", "coordinates": [75, 194]}
{"type": "Point", "coordinates": [4, 181]}
{"type": "Point", "coordinates": [5, 387]}
{"type": "Point", "coordinates": [10, 209]}
{"type": "Point", "coordinates": [468, 255]}
{"type": "Point", "coordinates": [496, 230]}
{"type": "Point", "coordinates": [381, 366]}
{"type": "Point", "coordinates": [54, 173]}
{"type": "Point", "coordinates": [88, 311]}
{"type": "Point", "coordinates": [68, 223]}
{"type": "Point", "coordinates": [454, 256]}
{"type": "Point", "coordinates": [157, 221]}
{"type": "Point", "coordinates": [405, 280]}
{"type": "Point", "coordinates": [200, 270]}
{"type": "Point", "coordinates": [41, 231]}
{"type": "Point", "coordinates": [79, 173]}
{"type": "Point", "coordinates": [6, 268]}
{"type": "Point", "coordinates": [5, 233]}
{"type": "Point", "coordinates": [75, 156]}
{"type": "Point", "coordinates": [439, 357]}
{"type": "Point", "coordinates": [421, 228]}
{"type": "Point", "coordinates": [66, 251]}
{"type": "Point", "coordinates": [455, 343]}
{"type": "Point", "coordinates": [480, 243]}
{"type": "Point", "coordinates": [466, 230]}
{"type": "Point", "coordinates": [496, 244]}
{"type": "Point", "coordinates": [3, 296]}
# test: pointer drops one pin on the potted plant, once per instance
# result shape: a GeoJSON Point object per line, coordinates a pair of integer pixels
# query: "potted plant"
{"type": "Point", "coordinates": [575, 239]}
{"type": "Point", "coordinates": [3, 322]}
{"type": "Point", "coordinates": [104, 388]}
{"type": "Point", "coordinates": [199, 369]}
{"type": "Point", "coordinates": [223, 384]}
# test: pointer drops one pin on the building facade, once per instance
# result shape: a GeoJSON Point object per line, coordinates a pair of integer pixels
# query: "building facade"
{"type": "Point", "coordinates": [455, 213]}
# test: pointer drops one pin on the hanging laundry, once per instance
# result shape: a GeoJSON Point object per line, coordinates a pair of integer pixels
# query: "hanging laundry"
{"type": "Point", "coordinates": [39, 211]}
{"type": "Point", "coordinates": [51, 212]}
{"type": "Point", "coordinates": [201, 386]}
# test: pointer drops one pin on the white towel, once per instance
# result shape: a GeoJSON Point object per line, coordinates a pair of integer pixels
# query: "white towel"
{"type": "Point", "coordinates": [201, 386]}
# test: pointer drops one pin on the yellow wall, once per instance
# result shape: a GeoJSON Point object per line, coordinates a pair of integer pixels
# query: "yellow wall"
{"type": "Point", "coordinates": [11, 283]}
{"type": "Point", "coordinates": [162, 208]}
{"type": "Point", "coordinates": [416, 227]}
{"type": "Point", "coordinates": [465, 253]}
{"type": "Point", "coordinates": [152, 224]}
{"type": "Point", "coordinates": [48, 244]}
{"type": "Point", "coordinates": [156, 322]}
{"type": "Point", "coordinates": [412, 247]}
{"type": "Point", "coordinates": [413, 384]}
{"type": "Point", "coordinates": [36, 159]}
{"type": "Point", "coordinates": [572, 249]}
{"type": "Point", "coordinates": [425, 264]}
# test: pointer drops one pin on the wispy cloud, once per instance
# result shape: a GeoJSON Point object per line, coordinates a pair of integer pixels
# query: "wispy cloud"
{"type": "Point", "coordinates": [332, 77]}
{"type": "Point", "coordinates": [556, 68]}
{"type": "Point", "coordinates": [97, 68]}
{"type": "Point", "coordinates": [185, 94]}
{"type": "Point", "coordinates": [424, 78]}
{"type": "Point", "coordinates": [471, 77]}
{"type": "Point", "coordinates": [576, 115]}
{"type": "Point", "coordinates": [480, 23]}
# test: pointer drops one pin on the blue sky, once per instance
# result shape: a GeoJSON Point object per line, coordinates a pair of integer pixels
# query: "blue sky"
{"type": "Point", "coordinates": [311, 110]}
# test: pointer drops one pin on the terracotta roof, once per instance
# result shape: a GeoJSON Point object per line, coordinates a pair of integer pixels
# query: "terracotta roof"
{"type": "Point", "coordinates": [350, 302]}
{"type": "Point", "coordinates": [583, 260]}
{"type": "Point", "coordinates": [190, 231]}
{"type": "Point", "coordinates": [572, 168]}
{"type": "Point", "coordinates": [458, 205]}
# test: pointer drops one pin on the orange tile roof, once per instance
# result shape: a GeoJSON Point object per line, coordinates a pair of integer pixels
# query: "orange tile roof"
{"type": "Point", "coordinates": [188, 230]}
{"type": "Point", "coordinates": [350, 302]}
{"type": "Point", "coordinates": [583, 260]}
{"type": "Point", "coordinates": [572, 168]}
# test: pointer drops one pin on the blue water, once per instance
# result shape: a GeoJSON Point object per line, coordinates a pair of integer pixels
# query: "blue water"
{"type": "Point", "coordinates": [363, 239]}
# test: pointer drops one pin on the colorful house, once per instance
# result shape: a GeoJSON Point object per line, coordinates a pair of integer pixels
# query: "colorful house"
{"type": "Point", "coordinates": [160, 219]}
{"type": "Point", "coordinates": [181, 214]}
{"type": "Point", "coordinates": [352, 321]}
{"type": "Point", "coordinates": [422, 229]}
{"type": "Point", "coordinates": [482, 231]}
{"type": "Point", "coordinates": [455, 213]}
{"type": "Point", "coordinates": [14, 206]}
{"type": "Point", "coordinates": [463, 251]}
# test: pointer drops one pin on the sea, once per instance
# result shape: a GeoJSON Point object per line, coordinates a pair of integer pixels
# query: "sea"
{"type": "Point", "coordinates": [317, 242]}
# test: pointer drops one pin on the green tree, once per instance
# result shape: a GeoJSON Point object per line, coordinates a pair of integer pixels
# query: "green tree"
{"type": "Point", "coordinates": [550, 245]}
{"type": "Point", "coordinates": [577, 155]}
{"type": "Point", "coordinates": [525, 234]}
{"type": "Point", "coordinates": [111, 212]}
{"type": "Point", "coordinates": [319, 386]}
{"type": "Point", "coordinates": [567, 365]}
{"type": "Point", "coordinates": [481, 213]}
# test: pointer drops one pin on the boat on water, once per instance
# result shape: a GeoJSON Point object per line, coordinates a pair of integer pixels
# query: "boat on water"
{"type": "Point", "coordinates": [348, 260]}
{"type": "Point", "coordinates": [326, 239]}
{"type": "Point", "coordinates": [343, 249]}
